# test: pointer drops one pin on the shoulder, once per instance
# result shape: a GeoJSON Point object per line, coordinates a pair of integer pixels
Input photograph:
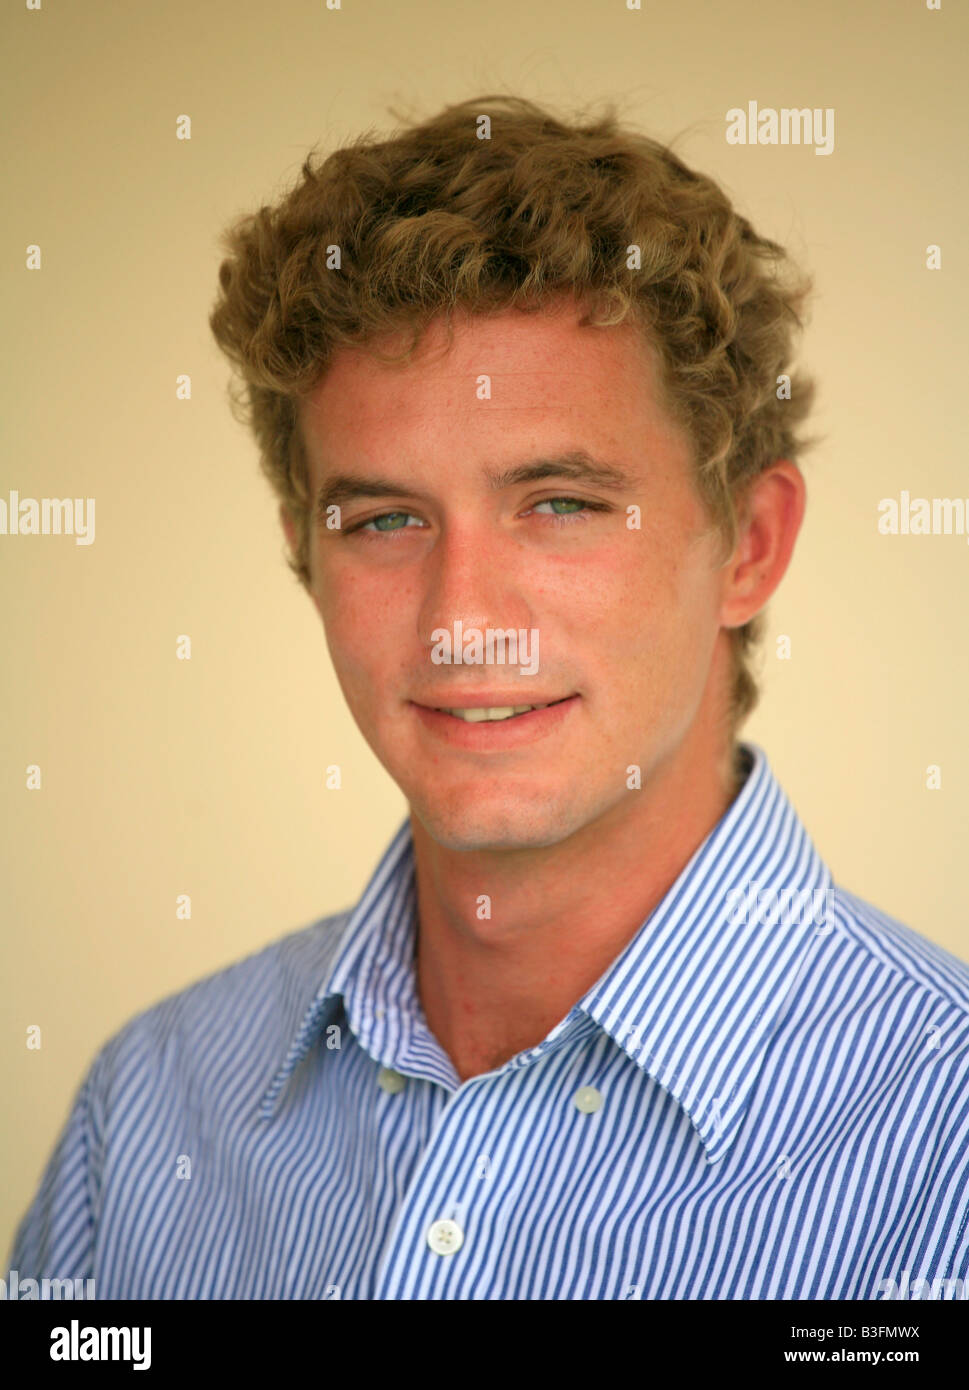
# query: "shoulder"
{"type": "Point", "coordinates": [903, 952]}
{"type": "Point", "coordinates": [243, 1014]}
{"type": "Point", "coordinates": [188, 1065]}
{"type": "Point", "coordinates": [905, 1002]}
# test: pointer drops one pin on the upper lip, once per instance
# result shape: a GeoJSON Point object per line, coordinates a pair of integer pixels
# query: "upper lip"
{"type": "Point", "coordinates": [490, 700]}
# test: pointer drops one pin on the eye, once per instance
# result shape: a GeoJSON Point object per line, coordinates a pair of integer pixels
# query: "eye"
{"type": "Point", "coordinates": [394, 522]}
{"type": "Point", "coordinates": [387, 523]}
{"type": "Point", "coordinates": [576, 506]}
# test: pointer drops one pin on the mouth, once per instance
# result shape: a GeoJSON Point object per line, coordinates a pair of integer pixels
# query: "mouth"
{"type": "Point", "coordinates": [495, 728]}
{"type": "Point", "coordinates": [493, 714]}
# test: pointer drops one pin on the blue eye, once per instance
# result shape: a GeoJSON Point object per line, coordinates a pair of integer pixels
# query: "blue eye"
{"type": "Point", "coordinates": [391, 517]}
{"type": "Point", "coordinates": [570, 501]}
{"type": "Point", "coordinates": [566, 518]}
{"type": "Point", "coordinates": [393, 523]}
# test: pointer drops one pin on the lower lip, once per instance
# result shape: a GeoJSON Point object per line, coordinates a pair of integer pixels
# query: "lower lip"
{"type": "Point", "coordinates": [497, 733]}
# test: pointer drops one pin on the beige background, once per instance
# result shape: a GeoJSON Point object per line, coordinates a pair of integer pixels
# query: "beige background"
{"type": "Point", "coordinates": [163, 777]}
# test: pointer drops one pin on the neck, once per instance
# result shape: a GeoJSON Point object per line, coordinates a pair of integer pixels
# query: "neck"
{"type": "Point", "coordinates": [560, 915]}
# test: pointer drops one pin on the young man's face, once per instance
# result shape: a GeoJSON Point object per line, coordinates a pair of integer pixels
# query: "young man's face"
{"type": "Point", "coordinates": [627, 619]}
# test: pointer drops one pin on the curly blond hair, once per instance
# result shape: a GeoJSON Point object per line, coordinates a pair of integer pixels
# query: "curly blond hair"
{"type": "Point", "coordinates": [436, 218]}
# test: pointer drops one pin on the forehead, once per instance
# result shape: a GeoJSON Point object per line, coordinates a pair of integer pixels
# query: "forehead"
{"type": "Point", "coordinates": [504, 367]}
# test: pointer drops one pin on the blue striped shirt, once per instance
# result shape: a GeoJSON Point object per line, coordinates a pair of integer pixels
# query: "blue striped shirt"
{"type": "Point", "coordinates": [764, 1096]}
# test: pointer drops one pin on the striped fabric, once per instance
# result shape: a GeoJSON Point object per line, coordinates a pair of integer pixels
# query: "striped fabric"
{"type": "Point", "coordinates": [765, 1096]}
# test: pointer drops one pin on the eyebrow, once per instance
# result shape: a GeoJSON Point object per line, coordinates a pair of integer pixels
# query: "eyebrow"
{"type": "Point", "coordinates": [577, 465]}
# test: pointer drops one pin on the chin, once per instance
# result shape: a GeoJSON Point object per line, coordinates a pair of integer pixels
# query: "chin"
{"type": "Point", "coordinates": [498, 827]}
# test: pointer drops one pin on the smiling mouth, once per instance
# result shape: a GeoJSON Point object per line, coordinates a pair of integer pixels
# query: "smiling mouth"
{"type": "Point", "coordinates": [495, 713]}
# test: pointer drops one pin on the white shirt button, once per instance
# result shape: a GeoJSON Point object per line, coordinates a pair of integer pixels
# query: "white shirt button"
{"type": "Point", "coordinates": [445, 1236]}
{"type": "Point", "coordinates": [587, 1099]}
{"type": "Point", "coordinates": [390, 1081]}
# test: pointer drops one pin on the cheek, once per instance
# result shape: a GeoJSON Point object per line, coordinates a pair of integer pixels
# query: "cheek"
{"type": "Point", "coordinates": [348, 621]}
{"type": "Point", "coordinates": [634, 586]}
{"type": "Point", "coordinates": [353, 602]}
{"type": "Point", "coordinates": [367, 619]}
{"type": "Point", "coordinates": [651, 606]}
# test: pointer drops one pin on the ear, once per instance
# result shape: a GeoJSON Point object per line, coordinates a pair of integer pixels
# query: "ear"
{"type": "Point", "coordinates": [768, 525]}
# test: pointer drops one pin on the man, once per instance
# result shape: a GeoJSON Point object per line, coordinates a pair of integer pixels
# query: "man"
{"type": "Point", "coordinates": [601, 1026]}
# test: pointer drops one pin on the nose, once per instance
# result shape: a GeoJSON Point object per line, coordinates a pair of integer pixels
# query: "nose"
{"type": "Point", "coordinates": [476, 579]}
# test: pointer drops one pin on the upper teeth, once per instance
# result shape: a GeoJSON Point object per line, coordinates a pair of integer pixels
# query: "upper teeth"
{"type": "Point", "coordinates": [477, 716]}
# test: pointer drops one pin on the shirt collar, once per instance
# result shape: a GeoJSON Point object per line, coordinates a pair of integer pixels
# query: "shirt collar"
{"type": "Point", "coordinates": [693, 998]}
